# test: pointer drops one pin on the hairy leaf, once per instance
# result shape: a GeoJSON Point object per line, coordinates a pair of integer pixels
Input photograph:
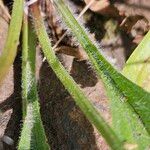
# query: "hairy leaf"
{"type": "Point", "coordinates": [127, 99]}
{"type": "Point", "coordinates": [80, 99]}
{"type": "Point", "coordinates": [32, 135]}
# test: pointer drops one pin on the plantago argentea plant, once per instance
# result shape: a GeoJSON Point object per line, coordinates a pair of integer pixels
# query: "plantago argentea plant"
{"type": "Point", "coordinates": [129, 100]}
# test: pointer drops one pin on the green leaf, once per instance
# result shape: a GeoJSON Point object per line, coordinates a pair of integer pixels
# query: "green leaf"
{"type": "Point", "coordinates": [80, 99]}
{"type": "Point", "coordinates": [137, 68]}
{"type": "Point", "coordinates": [128, 100]}
{"type": "Point", "coordinates": [32, 135]}
{"type": "Point", "coordinates": [10, 49]}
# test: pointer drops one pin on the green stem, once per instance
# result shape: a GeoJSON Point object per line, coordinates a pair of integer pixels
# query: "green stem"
{"type": "Point", "coordinates": [10, 49]}
{"type": "Point", "coordinates": [32, 135]}
{"type": "Point", "coordinates": [81, 100]}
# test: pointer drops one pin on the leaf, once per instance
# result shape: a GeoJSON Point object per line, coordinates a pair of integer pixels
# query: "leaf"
{"type": "Point", "coordinates": [10, 49]}
{"type": "Point", "coordinates": [74, 90]}
{"type": "Point", "coordinates": [137, 68]}
{"type": "Point", "coordinates": [32, 134]}
{"type": "Point", "coordinates": [128, 100]}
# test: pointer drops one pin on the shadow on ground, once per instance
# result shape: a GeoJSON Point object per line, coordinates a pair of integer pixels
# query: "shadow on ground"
{"type": "Point", "coordinates": [66, 126]}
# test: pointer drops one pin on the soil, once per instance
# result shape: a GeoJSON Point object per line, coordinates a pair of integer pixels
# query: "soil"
{"type": "Point", "coordinates": [66, 126]}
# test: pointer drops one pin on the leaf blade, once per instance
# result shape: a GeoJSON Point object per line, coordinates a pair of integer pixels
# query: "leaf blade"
{"type": "Point", "coordinates": [10, 49]}
{"type": "Point", "coordinates": [129, 93]}
{"type": "Point", "coordinates": [80, 99]}
{"type": "Point", "coordinates": [32, 134]}
{"type": "Point", "coordinates": [137, 67]}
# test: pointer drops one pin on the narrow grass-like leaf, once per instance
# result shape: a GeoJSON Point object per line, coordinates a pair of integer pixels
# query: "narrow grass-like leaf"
{"type": "Point", "coordinates": [32, 135]}
{"type": "Point", "coordinates": [127, 99]}
{"type": "Point", "coordinates": [10, 49]}
{"type": "Point", "coordinates": [137, 68]}
{"type": "Point", "coordinates": [80, 99]}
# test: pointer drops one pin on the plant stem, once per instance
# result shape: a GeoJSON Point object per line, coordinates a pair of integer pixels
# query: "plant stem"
{"type": "Point", "coordinates": [80, 99]}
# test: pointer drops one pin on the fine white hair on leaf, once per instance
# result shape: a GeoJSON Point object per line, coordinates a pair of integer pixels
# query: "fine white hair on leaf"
{"type": "Point", "coordinates": [91, 67]}
{"type": "Point", "coordinates": [59, 21]}
{"type": "Point", "coordinates": [100, 48]}
{"type": "Point", "coordinates": [75, 41]}
{"type": "Point", "coordinates": [96, 43]}
{"type": "Point", "coordinates": [73, 7]}
{"type": "Point", "coordinates": [87, 31]}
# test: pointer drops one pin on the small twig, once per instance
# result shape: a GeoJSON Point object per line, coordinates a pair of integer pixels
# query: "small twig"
{"type": "Point", "coordinates": [62, 37]}
{"type": "Point", "coordinates": [80, 15]}
{"type": "Point", "coordinates": [27, 4]}
{"type": "Point", "coordinates": [6, 139]}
